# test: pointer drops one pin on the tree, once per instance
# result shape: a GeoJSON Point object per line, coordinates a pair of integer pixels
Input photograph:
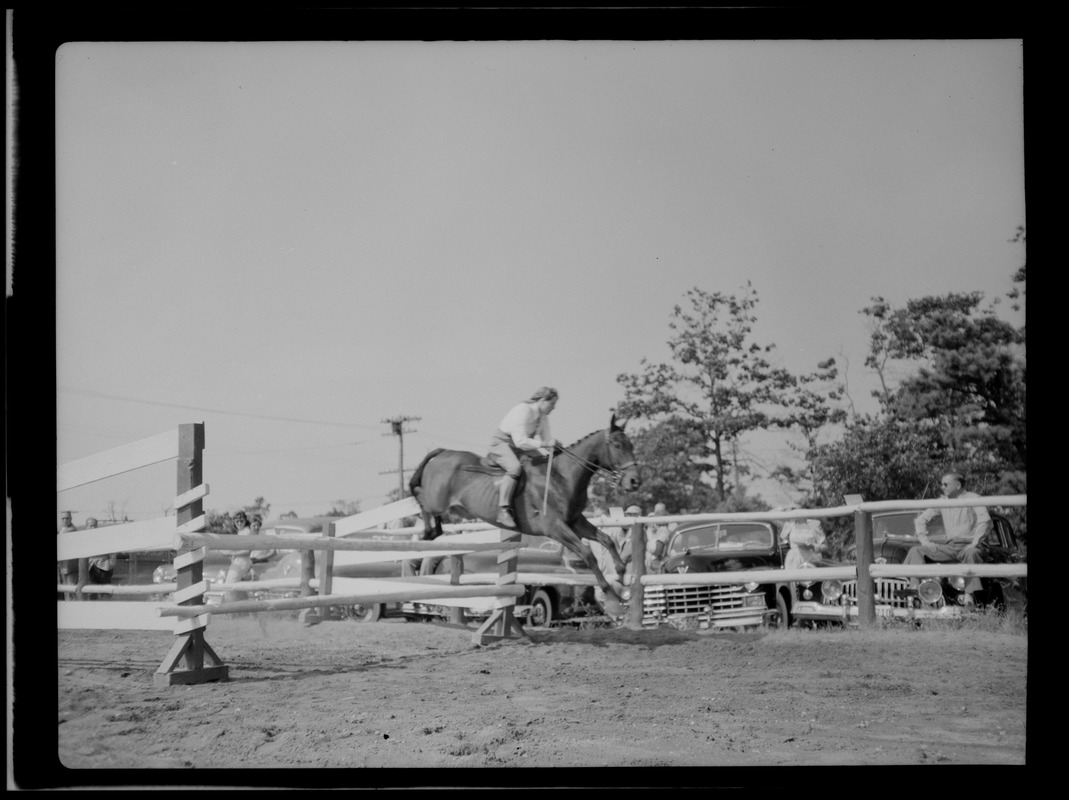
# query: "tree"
{"type": "Point", "coordinates": [722, 385]}
{"type": "Point", "coordinates": [968, 378]}
{"type": "Point", "coordinates": [670, 456]}
{"type": "Point", "coordinates": [952, 395]}
{"type": "Point", "coordinates": [223, 522]}
{"type": "Point", "coordinates": [343, 508]}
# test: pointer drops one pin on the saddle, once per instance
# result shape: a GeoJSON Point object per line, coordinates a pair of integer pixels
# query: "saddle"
{"type": "Point", "coordinates": [488, 467]}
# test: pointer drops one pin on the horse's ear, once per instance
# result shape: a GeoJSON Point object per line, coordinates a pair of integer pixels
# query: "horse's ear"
{"type": "Point", "coordinates": [613, 426]}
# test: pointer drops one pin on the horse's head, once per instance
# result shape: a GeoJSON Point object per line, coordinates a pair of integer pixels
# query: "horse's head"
{"type": "Point", "coordinates": [620, 456]}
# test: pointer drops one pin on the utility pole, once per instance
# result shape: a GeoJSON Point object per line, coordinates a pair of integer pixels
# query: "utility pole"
{"type": "Point", "coordinates": [397, 428]}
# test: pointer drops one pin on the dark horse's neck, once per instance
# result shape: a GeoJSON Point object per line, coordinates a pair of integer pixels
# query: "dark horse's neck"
{"type": "Point", "coordinates": [574, 468]}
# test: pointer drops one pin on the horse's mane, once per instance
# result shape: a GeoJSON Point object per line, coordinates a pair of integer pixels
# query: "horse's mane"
{"type": "Point", "coordinates": [582, 439]}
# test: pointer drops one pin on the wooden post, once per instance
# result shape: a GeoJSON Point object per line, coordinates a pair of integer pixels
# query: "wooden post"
{"type": "Point", "coordinates": [638, 569]}
{"type": "Point", "coordinates": [456, 567]}
{"type": "Point", "coordinates": [322, 562]}
{"type": "Point", "coordinates": [866, 599]}
{"type": "Point", "coordinates": [502, 622]}
{"type": "Point", "coordinates": [308, 571]}
{"type": "Point", "coordinates": [190, 646]}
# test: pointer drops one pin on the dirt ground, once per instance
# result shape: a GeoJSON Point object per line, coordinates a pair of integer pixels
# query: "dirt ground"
{"type": "Point", "coordinates": [412, 696]}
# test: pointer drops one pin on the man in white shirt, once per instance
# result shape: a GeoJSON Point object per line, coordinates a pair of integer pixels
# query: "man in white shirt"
{"type": "Point", "coordinates": [525, 428]}
{"type": "Point", "coordinates": [964, 526]}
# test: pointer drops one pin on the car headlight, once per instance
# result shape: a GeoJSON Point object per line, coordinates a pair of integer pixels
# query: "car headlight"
{"type": "Point", "coordinates": [750, 586]}
{"type": "Point", "coordinates": [157, 575]}
{"type": "Point", "coordinates": [806, 565]}
{"type": "Point", "coordinates": [958, 582]}
{"type": "Point", "coordinates": [930, 591]}
{"type": "Point", "coordinates": [832, 590]}
{"type": "Point", "coordinates": [625, 595]}
{"type": "Point", "coordinates": [754, 600]}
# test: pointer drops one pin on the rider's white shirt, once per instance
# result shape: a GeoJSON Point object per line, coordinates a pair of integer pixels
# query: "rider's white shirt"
{"type": "Point", "coordinates": [527, 428]}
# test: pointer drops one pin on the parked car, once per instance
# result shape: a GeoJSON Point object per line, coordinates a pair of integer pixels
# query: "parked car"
{"type": "Point", "coordinates": [937, 598]}
{"type": "Point", "coordinates": [542, 604]}
{"type": "Point", "coordinates": [720, 547]}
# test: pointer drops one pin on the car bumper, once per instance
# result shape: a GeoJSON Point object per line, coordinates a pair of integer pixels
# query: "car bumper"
{"type": "Point", "coordinates": [808, 611]}
{"type": "Point", "coordinates": [734, 618]}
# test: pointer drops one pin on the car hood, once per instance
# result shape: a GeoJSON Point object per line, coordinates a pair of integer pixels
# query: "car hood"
{"type": "Point", "coordinates": [721, 561]}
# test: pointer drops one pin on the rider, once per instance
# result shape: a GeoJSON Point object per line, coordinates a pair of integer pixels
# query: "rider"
{"type": "Point", "coordinates": [524, 428]}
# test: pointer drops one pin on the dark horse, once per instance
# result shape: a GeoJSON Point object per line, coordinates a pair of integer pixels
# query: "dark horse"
{"type": "Point", "coordinates": [457, 479]}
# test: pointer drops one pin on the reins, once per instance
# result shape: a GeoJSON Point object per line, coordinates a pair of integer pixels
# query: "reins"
{"type": "Point", "coordinates": [616, 472]}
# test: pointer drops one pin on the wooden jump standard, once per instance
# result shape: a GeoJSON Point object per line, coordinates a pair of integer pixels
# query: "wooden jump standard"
{"type": "Point", "coordinates": [190, 646]}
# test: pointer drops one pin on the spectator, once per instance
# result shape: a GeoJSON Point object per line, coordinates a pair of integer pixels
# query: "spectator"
{"type": "Point", "coordinates": [965, 527]}
{"type": "Point", "coordinates": [525, 428]}
{"type": "Point", "coordinates": [806, 539]}
{"type": "Point", "coordinates": [259, 556]}
{"type": "Point", "coordinates": [68, 568]}
{"type": "Point", "coordinates": [101, 568]}
{"type": "Point", "coordinates": [240, 560]}
{"type": "Point", "coordinates": [657, 539]}
{"type": "Point", "coordinates": [621, 537]}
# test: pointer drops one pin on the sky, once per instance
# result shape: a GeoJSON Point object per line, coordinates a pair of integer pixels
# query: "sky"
{"type": "Point", "coordinates": [294, 242]}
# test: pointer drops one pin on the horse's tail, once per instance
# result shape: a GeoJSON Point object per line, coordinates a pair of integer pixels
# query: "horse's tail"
{"type": "Point", "coordinates": [414, 483]}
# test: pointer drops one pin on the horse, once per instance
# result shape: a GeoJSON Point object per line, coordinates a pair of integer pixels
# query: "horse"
{"type": "Point", "coordinates": [461, 480]}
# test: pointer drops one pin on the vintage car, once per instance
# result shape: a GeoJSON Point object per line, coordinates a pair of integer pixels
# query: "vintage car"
{"type": "Point", "coordinates": [936, 598]}
{"type": "Point", "coordinates": [543, 604]}
{"type": "Point", "coordinates": [720, 547]}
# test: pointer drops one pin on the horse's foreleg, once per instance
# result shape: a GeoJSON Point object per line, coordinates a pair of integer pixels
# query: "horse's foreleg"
{"type": "Point", "coordinates": [568, 537]}
{"type": "Point", "coordinates": [587, 530]}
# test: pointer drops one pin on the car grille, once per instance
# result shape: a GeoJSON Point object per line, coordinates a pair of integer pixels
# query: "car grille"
{"type": "Point", "coordinates": [661, 602]}
{"type": "Point", "coordinates": [885, 591]}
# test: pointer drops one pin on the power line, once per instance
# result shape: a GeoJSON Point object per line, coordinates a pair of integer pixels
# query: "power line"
{"type": "Point", "coordinates": [397, 428]}
{"type": "Point", "coordinates": [126, 399]}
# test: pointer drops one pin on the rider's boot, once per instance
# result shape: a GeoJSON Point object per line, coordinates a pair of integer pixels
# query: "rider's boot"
{"type": "Point", "coordinates": [504, 514]}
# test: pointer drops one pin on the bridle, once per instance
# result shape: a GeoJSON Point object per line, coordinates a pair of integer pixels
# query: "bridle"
{"type": "Point", "coordinates": [616, 472]}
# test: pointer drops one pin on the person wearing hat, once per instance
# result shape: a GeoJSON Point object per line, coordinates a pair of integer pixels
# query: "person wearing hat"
{"type": "Point", "coordinates": [524, 429]}
{"type": "Point", "coordinates": [240, 560]}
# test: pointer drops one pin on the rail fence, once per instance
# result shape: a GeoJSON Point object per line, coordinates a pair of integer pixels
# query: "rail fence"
{"type": "Point", "coordinates": [188, 615]}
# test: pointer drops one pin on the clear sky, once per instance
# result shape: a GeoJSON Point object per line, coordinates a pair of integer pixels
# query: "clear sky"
{"type": "Point", "coordinates": [294, 242]}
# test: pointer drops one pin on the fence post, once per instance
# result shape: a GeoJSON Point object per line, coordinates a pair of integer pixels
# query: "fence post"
{"type": "Point", "coordinates": [636, 608]}
{"type": "Point", "coordinates": [190, 645]}
{"type": "Point", "coordinates": [866, 599]}
{"type": "Point", "coordinates": [323, 565]}
{"type": "Point", "coordinates": [456, 567]}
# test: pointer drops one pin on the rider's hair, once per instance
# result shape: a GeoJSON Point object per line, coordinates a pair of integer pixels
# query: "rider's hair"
{"type": "Point", "coordinates": [545, 393]}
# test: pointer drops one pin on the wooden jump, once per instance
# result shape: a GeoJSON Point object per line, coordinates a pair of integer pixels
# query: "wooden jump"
{"type": "Point", "coordinates": [321, 601]}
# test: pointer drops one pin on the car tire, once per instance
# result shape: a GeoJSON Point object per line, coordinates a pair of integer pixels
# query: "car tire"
{"type": "Point", "coordinates": [541, 614]}
{"type": "Point", "coordinates": [364, 612]}
{"type": "Point", "coordinates": [783, 615]}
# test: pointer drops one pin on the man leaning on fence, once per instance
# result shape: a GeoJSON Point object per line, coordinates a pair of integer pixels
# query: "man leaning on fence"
{"type": "Point", "coordinates": [965, 527]}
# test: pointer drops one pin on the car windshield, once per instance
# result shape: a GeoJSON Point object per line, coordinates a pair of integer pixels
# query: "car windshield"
{"type": "Point", "coordinates": [900, 527]}
{"type": "Point", "coordinates": [724, 536]}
